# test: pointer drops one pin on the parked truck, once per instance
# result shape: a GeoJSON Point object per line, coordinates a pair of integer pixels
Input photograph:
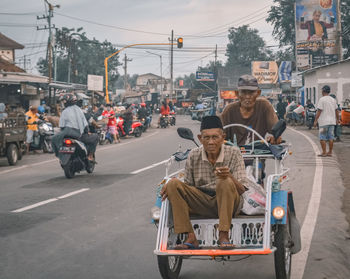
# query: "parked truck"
{"type": "Point", "coordinates": [12, 138]}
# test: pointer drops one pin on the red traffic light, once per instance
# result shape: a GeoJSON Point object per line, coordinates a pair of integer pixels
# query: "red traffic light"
{"type": "Point", "coordinates": [180, 42]}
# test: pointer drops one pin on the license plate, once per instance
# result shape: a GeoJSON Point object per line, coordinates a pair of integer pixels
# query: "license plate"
{"type": "Point", "coordinates": [67, 149]}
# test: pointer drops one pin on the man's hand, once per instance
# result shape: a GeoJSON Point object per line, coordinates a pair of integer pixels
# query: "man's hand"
{"type": "Point", "coordinates": [222, 172]}
{"type": "Point", "coordinates": [315, 124]}
{"type": "Point", "coordinates": [272, 140]}
{"type": "Point", "coordinates": [163, 193]}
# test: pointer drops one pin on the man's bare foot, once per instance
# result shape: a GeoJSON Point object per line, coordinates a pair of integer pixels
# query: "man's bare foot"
{"type": "Point", "coordinates": [224, 241]}
{"type": "Point", "coordinates": [190, 243]}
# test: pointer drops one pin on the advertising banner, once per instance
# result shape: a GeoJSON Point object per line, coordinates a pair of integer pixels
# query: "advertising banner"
{"type": "Point", "coordinates": [228, 94]}
{"type": "Point", "coordinates": [316, 33]}
{"type": "Point", "coordinates": [266, 72]}
{"type": "Point", "coordinates": [285, 71]}
{"type": "Point", "coordinates": [205, 76]}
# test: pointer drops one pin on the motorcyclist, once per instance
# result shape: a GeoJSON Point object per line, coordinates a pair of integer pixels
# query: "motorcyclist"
{"type": "Point", "coordinates": [164, 111]}
{"type": "Point", "coordinates": [143, 113]}
{"type": "Point", "coordinates": [73, 124]}
{"type": "Point", "coordinates": [309, 104]}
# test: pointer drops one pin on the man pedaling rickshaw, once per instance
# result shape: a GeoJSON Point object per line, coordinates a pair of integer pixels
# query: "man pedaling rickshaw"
{"type": "Point", "coordinates": [214, 181]}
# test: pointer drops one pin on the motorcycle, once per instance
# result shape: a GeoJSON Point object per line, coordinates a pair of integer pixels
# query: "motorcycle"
{"type": "Point", "coordinates": [43, 136]}
{"type": "Point", "coordinates": [136, 128]}
{"type": "Point", "coordinates": [310, 117]}
{"type": "Point", "coordinates": [164, 121]}
{"type": "Point", "coordinates": [73, 157]}
{"type": "Point", "coordinates": [146, 123]}
{"type": "Point", "coordinates": [172, 118]}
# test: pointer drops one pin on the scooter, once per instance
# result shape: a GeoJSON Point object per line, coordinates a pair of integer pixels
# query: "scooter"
{"type": "Point", "coordinates": [136, 128]}
{"type": "Point", "coordinates": [43, 136]}
{"type": "Point", "coordinates": [172, 118]}
{"type": "Point", "coordinates": [310, 117]}
{"type": "Point", "coordinates": [73, 157]}
{"type": "Point", "coordinates": [164, 121]}
{"type": "Point", "coordinates": [146, 123]}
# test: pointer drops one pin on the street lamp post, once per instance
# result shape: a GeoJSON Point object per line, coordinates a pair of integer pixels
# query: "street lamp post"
{"type": "Point", "coordinates": [161, 72]}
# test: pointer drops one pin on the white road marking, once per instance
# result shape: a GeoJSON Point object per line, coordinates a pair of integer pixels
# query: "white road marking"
{"type": "Point", "coordinates": [308, 227]}
{"type": "Point", "coordinates": [49, 201]}
{"type": "Point", "coordinates": [55, 159]}
{"type": "Point", "coordinates": [149, 167]}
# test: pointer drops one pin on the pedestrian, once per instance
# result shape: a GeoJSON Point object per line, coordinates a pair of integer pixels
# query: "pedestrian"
{"type": "Point", "coordinates": [31, 118]}
{"type": "Point", "coordinates": [281, 108]}
{"type": "Point", "coordinates": [327, 117]}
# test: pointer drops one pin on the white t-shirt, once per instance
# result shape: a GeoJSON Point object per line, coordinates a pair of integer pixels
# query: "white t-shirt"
{"type": "Point", "coordinates": [328, 105]}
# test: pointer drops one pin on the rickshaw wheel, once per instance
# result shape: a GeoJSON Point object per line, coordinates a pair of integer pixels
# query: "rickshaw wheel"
{"type": "Point", "coordinates": [169, 266]}
{"type": "Point", "coordinates": [283, 255]}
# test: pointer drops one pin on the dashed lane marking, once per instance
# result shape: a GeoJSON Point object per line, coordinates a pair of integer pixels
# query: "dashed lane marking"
{"type": "Point", "coordinates": [49, 200]}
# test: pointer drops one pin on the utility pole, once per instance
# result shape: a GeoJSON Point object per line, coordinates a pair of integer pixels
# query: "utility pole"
{"type": "Point", "coordinates": [171, 65]}
{"type": "Point", "coordinates": [24, 60]}
{"type": "Point", "coordinates": [216, 69]}
{"type": "Point", "coordinates": [49, 27]}
{"type": "Point", "coordinates": [126, 60]}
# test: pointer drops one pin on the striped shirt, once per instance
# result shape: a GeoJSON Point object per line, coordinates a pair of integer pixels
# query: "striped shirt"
{"type": "Point", "coordinates": [200, 173]}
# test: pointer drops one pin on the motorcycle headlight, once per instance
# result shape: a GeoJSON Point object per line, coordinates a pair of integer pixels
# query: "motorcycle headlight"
{"type": "Point", "coordinates": [46, 127]}
{"type": "Point", "coordinates": [278, 212]}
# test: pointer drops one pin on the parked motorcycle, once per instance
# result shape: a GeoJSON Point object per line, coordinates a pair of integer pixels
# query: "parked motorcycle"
{"type": "Point", "coordinates": [73, 157]}
{"type": "Point", "coordinates": [104, 136]}
{"type": "Point", "coordinates": [164, 121]}
{"type": "Point", "coordinates": [310, 117]}
{"type": "Point", "coordinates": [43, 136]}
{"type": "Point", "coordinates": [136, 128]}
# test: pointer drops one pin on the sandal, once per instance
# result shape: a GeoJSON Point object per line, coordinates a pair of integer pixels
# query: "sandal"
{"type": "Point", "coordinates": [187, 246]}
{"type": "Point", "coordinates": [322, 155]}
{"type": "Point", "coordinates": [226, 245]}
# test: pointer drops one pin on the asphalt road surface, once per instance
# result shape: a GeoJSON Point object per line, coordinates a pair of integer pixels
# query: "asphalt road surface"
{"type": "Point", "coordinates": [98, 225]}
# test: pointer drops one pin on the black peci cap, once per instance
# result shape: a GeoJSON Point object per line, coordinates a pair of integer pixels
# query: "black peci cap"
{"type": "Point", "coordinates": [211, 122]}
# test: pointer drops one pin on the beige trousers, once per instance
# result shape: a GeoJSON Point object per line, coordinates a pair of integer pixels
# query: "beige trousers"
{"type": "Point", "coordinates": [188, 200]}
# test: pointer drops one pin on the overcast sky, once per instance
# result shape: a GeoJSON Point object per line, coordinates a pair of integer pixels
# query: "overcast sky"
{"type": "Point", "coordinates": [192, 19]}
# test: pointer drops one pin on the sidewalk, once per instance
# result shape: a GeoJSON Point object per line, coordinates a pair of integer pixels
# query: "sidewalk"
{"type": "Point", "coordinates": [342, 151]}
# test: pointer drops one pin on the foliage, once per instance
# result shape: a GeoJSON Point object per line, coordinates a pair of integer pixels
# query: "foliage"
{"type": "Point", "coordinates": [86, 57]}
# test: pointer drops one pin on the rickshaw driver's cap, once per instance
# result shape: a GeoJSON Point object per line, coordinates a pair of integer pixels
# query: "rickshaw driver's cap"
{"type": "Point", "coordinates": [248, 82]}
{"type": "Point", "coordinates": [211, 122]}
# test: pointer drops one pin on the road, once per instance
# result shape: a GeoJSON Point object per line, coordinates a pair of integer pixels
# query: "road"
{"type": "Point", "coordinates": [98, 225]}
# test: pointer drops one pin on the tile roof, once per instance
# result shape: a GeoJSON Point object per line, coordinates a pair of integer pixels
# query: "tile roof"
{"type": "Point", "coordinates": [6, 42]}
{"type": "Point", "coordinates": [7, 66]}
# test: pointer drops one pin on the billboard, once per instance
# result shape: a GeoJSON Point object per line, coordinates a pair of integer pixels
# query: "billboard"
{"type": "Point", "coordinates": [95, 83]}
{"type": "Point", "coordinates": [205, 76]}
{"type": "Point", "coordinates": [266, 72]}
{"type": "Point", "coordinates": [316, 33]}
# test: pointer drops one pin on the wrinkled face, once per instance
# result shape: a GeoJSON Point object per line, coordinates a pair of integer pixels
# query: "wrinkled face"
{"type": "Point", "coordinates": [247, 98]}
{"type": "Point", "coordinates": [212, 139]}
{"type": "Point", "coordinates": [316, 17]}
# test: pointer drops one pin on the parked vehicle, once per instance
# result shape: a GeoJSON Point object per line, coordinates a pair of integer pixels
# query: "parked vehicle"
{"type": "Point", "coordinates": [274, 231]}
{"type": "Point", "coordinates": [73, 157]}
{"type": "Point", "coordinates": [103, 135]}
{"type": "Point", "coordinates": [12, 138]}
{"type": "Point", "coordinates": [310, 117]}
{"type": "Point", "coordinates": [42, 139]}
{"type": "Point", "coordinates": [136, 128]}
{"type": "Point", "coordinates": [164, 121]}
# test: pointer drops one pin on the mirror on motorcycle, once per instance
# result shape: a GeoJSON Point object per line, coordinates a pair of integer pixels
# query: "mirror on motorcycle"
{"type": "Point", "coordinates": [186, 133]}
{"type": "Point", "coordinates": [278, 129]}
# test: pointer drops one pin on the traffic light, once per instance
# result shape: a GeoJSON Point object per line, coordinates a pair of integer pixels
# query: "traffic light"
{"type": "Point", "coordinates": [180, 42]}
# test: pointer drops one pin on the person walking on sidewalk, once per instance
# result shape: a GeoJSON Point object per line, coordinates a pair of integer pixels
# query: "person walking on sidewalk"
{"type": "Point", "coordinates": [327, 117]}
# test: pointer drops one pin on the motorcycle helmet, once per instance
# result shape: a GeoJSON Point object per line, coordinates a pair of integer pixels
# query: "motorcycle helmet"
{"type": "Point", "coordinates": [41, 109]}
{"type": "Point", "coordinates": [69, 99]}
{"type": "Point", "coordinates": [143, 105]}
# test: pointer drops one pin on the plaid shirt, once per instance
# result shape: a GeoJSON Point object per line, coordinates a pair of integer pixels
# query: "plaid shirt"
{"type": "Point", "coordinates": [199, 172]}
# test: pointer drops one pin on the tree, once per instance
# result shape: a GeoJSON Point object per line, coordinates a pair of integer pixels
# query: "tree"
{"type": "Point", "coordinates": [81, 56]}
{"type": "Point", "coordinates": [245, 45]}
{"type": "Point", "coordinates": [282, 16]}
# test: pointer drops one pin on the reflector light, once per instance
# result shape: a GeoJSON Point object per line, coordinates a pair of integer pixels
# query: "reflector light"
{"type": "Point", "coordinates": [278, 212]}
